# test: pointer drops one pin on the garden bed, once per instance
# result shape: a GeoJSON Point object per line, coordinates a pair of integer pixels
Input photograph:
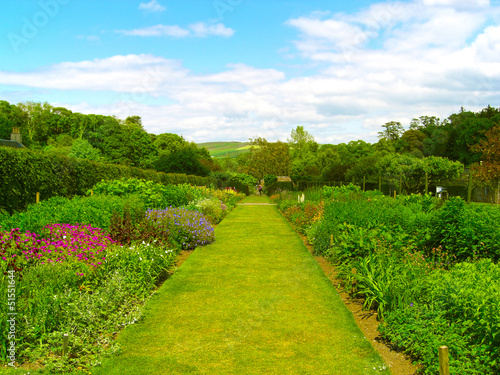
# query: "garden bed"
{"type": "Point", "coordinates": [84, 267]}
{"type": "Point", "coordinates": [427, 267]}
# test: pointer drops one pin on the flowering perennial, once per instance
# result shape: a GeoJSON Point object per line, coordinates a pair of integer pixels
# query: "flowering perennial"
{"type": "Point", "coordinates": [188, 228]}
{"type": "Point", "coordinates": [62, 242]}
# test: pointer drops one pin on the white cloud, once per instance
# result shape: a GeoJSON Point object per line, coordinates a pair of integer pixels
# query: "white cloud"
{"type": "Point", "coordinates": [391, 61]}
{"type": "Point", "coordinates": [152, 6]}
{"type": "Point", "coordinates": [467, 4]}
{"type": "Point", "coordinates": [199, 30]}
{"type": "Point", "coordinates": [158, 30]}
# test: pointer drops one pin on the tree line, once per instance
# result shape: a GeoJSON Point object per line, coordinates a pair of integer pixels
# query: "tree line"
{"type": "Point", "coordinates": [57, 130]}
{"type": "Point", "coordinates": [429, 150]}
{"type": "Point", "coordinates": [438, 149]}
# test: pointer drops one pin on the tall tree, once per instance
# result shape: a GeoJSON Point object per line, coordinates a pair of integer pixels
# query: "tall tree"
{"type": "Point", "coordinates": [268, 158]}
{"type": "Point", "coordinates": [410, 171]}
{"type": "Point", "coordinates": [393, 130]}
{"type": "Point", "coordinates": [37, 121]}
{"type": "Point", "coordinates": [185, 160]}
{"type": "Point", "coordinates": [11, 117]}
{"type": "Point", "coordinates": [488, 170]}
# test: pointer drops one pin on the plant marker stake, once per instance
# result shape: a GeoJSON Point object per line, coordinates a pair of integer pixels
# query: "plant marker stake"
{"type": "Point", "coordinates": [331, 240]}
{"type": "Point", "coordinates": [65, 345]}
{"type": "Point", "coordinates": [37, 199]}
{"type": "Point", "coordinates": [394, 193]}
{"type": "Point", "coordinates": [444, 361]}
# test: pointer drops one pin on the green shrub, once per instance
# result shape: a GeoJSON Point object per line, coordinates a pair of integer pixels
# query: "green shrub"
{"type": "Point", "coordinates": [153, 194]}
{"type": "Point", "coordinates": [270, 179]}
{"type": "Point", "coordinates": [55, 298]}
{"type": "Point", "coordinates": [212, 208]}
{"type": "Point", "coordinates": [96, 211]}
{"type": "Point", "coordinates": [25, 172]}
{"type": "Point", "coordinates": [459, 308]}
{"type": "Point", "coordinates": [279, 186]}
{"type": "Point", "coordinates": [467, 231]}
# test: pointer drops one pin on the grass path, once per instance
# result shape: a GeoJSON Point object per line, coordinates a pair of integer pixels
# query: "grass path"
{"type": "Point", "coordinates": [253, 302]}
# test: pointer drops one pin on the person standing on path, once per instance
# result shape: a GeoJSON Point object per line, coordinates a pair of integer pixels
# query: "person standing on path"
{"type": "Point", "coordinates": [260, 189]}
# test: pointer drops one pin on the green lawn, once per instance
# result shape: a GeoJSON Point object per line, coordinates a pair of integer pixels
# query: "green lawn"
{"type": "Point", "coordinates": [253, 302]}
{"type": "Point", "coordinates": [226, 149]}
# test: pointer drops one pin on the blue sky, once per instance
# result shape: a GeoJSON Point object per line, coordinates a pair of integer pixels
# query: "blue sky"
{"type": "Point", "coordinates": [222, 70]}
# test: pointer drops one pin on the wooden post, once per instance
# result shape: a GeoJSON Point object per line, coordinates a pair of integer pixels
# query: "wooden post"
{"type": "Point", "coordinates": [37, 198]}
{"type": "Point", "coordinates": [469, 189]}
{"type": "Point", "coordinates": [394, 193]}
{"type": "Point", "coordinates": [65, 345]}
{"type": "Point", "coordinates": [331, 240]}
{"type": "Point", "coordinates": [444, 361]}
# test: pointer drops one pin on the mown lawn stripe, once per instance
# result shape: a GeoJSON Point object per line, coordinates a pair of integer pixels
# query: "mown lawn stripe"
{"type": "Point", "coordinates": [253, 302]}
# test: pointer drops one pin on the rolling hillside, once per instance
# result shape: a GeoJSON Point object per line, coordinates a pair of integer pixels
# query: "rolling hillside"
{"type": "Point", "coordinates": [226, 149]}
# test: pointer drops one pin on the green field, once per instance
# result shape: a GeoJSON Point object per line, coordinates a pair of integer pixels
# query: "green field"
{"type": "Point", "coordinates": [226, 149]}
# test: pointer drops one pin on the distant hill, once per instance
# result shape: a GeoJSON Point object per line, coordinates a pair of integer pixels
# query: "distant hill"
{"type": "Point", "coordinates": [226, 149]}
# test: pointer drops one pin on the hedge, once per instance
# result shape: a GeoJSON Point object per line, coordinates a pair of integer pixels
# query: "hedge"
{"type": "Point", "coordinates": [25, 172]}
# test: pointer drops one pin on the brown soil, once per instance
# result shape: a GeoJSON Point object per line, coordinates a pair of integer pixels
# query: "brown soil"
{"type": "Point", "coordinates": [367, 321]}
{"type": "Point", "coordinates": [183, 255]}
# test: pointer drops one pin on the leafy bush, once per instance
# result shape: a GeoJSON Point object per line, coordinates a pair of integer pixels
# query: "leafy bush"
{"type": "Point", "coordinates": [240, 181]}
{"type": "Point", "coordinates": [468, 231]}
{"type": "Point", "coordinates": [270, 179]}
{"type": "Point", "coordinates": [212, 208]}
{"type": "Point", "coordinates": [279, 186]}
{"type": "Point", "coordinates": [459, 308]}
{"type": "Point", "coordinates": [336, 192]}
{"type": "Point", "coordinates": [153, 194]}
{"type": "Point", "coordinates": [95, 211]}
{"type": "Point", "coordinates": [55, 298]}
{"type": "Point", "coordinates": [25, 172]}
{"type": "Point", "coordinates": [369, 213]}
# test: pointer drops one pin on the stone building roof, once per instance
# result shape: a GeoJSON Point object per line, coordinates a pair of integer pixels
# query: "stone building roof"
{"type": "Point", "coordinates": [8, 143]}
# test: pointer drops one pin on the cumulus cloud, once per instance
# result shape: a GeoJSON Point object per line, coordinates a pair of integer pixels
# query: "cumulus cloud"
{"type": "Point", "coordinates": [388, 62]}
{"type": "Point", "coordinates": [467, 4]}
{"type": "Point", "coordinates": [199, 30]}
{"type": "Point", "coordinates": [152, 6]}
